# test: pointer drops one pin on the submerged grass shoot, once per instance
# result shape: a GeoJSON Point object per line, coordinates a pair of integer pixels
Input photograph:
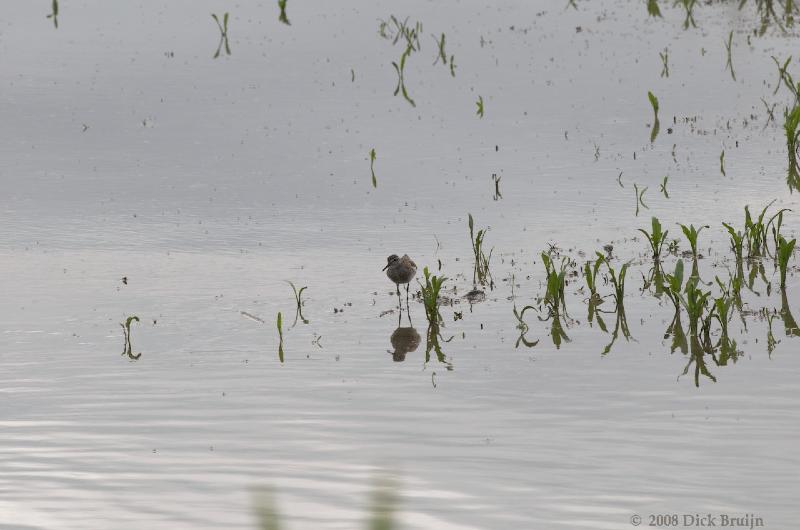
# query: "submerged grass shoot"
{"type": "Point", "coordinates": [54, 13]}
{"type": "Point", "coordinates": [791, 126]}
{"type": "Point", "coordinates": [692, 234]}
{"type": "Point", "coordinates": [590, 270]}
{"type": "Point", "coordinates": [128, 349]}
{"type": "Point", "coordinates": [522, 326]}
{"type": "Point", "coordinates": [728, 49]}
{"type": "Point", "coordinates": [480, 273]}
{"type": "Point", "coordinates": [555, 285]}
{"type": "Point", "coordinates": [737, 241]}
{"type": "Point", "coordinates": [497, 194]}
{"type": "Point", "coordinates": [785, 78]}
{"type": "Point", "coordinates": [770, 112]}
{"type": "Point", "coordinates": [688, 6]}
{"type": "Point", "coordinates": [656, 125]}
{"type": "Point", "coordinates": [783, 254]}
{"type": "Point", "coordinates": [664, 187]}
{"type": "Point", "coordinates": [673, 285]}
{"type": "Point", "coordinates": [298, 298]}
{"type": "Point", "coordinates": [394, 29]}
{"type": "Point", "coordinates": [282, 16]}
{"type": "Point", "coordinates": [401, 80]}
{"type": "Point", "coordinates": [442, 54]}
{"type": "Point", "coordinates": [280, 335]}
{"type": "Point", "coordinates": [372, 157]}
{"type": "Point", "coordinates": [223, 34]}
{"type": "Point", "coordinates": [554, 298]}
{"type": "Point", "coordinates": [617, 279]}
{"type": "Point", "coordinates": [639, 198]}
{"type": "Point", "coordinates": [479, 103]}
{"type": "Point", "coordinates": [656, 237]}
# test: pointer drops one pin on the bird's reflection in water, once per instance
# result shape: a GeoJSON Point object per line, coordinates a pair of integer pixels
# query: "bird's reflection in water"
{"type": "Point", "coordinates": [404, 340]}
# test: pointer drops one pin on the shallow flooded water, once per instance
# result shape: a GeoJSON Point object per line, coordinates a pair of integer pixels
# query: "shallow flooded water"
{"type": "Point", "coordinates": [151, 169]}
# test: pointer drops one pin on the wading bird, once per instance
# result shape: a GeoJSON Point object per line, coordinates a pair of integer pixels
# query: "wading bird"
{"type": "Point", "coordinates": [400, 270]}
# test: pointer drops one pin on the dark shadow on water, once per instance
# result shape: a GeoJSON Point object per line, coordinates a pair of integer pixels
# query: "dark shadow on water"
{"type": "Point", "coordinates": [404, 340]}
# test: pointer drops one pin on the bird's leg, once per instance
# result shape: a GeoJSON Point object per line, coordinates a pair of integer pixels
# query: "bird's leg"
{"type": "Point", "coordinates": [409, 310]}
{"type": "Point", "coordinates": [397, 285]}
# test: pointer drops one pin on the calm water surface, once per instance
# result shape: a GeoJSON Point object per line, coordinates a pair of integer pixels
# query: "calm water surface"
{"type": "Point", "coordinates": [128, 151]}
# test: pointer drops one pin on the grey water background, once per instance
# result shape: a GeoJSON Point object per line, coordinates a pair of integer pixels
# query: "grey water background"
{"type": "Point", "coordinates": [127, 150]}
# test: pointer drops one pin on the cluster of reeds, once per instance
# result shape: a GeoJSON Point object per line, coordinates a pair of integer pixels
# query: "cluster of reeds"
{"type": "Point", "coordinates": [554, 299]}
{"type": "Point", "coordinates": [701, 313]}
{"type": "Point", "coordinates": [395, 29]}
{"type": "Point", "coordinates": [430, 294]}
{"type": "Point", "coordinates": [759, 231]}
{"type": "Point", "coordinates": [617, 280]}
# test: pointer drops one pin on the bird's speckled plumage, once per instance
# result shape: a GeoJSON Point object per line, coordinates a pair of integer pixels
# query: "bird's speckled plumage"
{"type": "Point", "coordinates": [400, 270]}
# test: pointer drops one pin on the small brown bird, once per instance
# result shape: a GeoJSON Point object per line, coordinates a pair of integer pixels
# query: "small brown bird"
{"type": "Point", "coordinates": [400, 270]}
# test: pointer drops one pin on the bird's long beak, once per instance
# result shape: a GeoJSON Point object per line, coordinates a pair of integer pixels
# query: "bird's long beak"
{"type": "Point", "coordinates": [386, 267]}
